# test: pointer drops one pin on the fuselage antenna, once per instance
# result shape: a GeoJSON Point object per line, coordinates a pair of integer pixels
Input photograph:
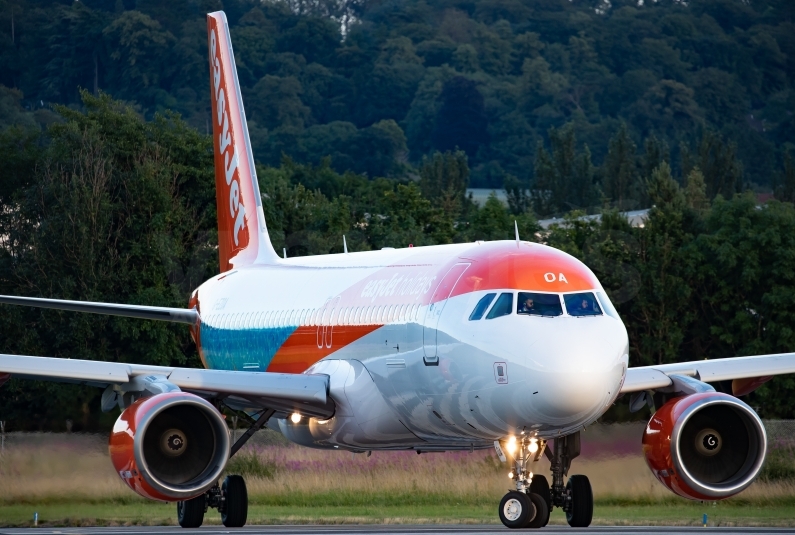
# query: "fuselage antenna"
{"type": "Point", "coordinates": [284, 252]}
{"type": "Point", "coordinates": [516, 229]}
{"type": "Point", "coordinates": [344, 244]}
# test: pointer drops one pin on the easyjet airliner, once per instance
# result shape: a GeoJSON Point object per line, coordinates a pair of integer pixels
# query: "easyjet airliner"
{"type": "Point", "coordinates": [508, 345]}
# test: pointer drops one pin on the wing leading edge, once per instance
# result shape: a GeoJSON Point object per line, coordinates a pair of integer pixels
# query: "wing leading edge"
{"type": "Point", "coordinates": [305, 393]}
{"type": "Point", "coordinates": [709, 371]}
{"type": "Point", "coordinates": [179, 315]}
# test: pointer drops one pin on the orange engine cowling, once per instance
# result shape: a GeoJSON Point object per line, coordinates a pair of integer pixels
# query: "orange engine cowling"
{"type": "Point", "coordinates": [170, 446]}
{"type": "Point", "coordinates": [705, 446]}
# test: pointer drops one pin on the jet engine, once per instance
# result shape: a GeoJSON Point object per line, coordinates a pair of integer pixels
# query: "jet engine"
{"type": "Point", "coordinates": [170, 446]}
{"type": "Point", "coordinates": [706, 446]}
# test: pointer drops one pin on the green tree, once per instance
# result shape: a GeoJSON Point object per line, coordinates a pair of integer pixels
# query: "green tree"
{"type": "Point", "coordinates": [407, 218]}
{"type": "Point", "coordinates": [785, 186]}
{"type": "Point", "coordinates": [118, 210]}
{"type": "Point", "coordinates": [518, 195]}
{"type": "Point", "coordinates": [717, 160]}
{"type": "Point", "coordinates": [696, 190]}
{"type": "Point", "coordinates": [443, 180]}
{"type": "Point", "coordinates": [462, 122]}
{"type": "Point", "coordinates": [563, 177]}
{"type": "Point", "coordinates": [620, 177]}
{"type": "Point", "coordinates": [662, 310]}
{"type": "Point", "coordinates": [140, 66]}
{"type": "Point", "coordinates": [746, 289]}
{"type": "Point", "coordinates": [278, 103]}
{"type": "Point", "coordinates": [668, 107]}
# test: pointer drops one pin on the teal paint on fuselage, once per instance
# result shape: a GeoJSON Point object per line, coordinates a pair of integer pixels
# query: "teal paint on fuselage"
{"type": "Point", "coordinates": [242, 349]}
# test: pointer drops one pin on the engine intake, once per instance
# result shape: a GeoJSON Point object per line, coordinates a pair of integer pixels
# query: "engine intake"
{"type": "Point", "coordinates": [707, 446]}
{"type": "Point", "coordinates": [170, 447]}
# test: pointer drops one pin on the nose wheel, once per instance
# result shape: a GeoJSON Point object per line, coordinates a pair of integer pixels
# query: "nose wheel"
{"type": "Point", "coordinates": [516, 509]}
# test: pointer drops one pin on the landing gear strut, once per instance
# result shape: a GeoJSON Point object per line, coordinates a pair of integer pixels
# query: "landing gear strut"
{"type": "Point", "coordinates": [231, 497]}
{"type": "Point", "coordinates": [530, 504]}
{"type": "Point", "coordinates": [576, 497]}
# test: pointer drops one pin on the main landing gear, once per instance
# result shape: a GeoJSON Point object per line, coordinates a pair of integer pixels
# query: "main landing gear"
{"type": "Point", "coordinates": [231, 500]}
{"type": "Point", "coordinates": [231, 497]}
{"type": "Point", "coordinates": [530, 504]}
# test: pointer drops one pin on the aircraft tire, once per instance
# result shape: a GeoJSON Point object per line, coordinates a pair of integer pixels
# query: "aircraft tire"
{"type": "Point", "coordinates": [516, 510]}
{"type": "Point", "coordinates": [190, 513]}
{"type": "Point", "coordinates": [580, 511]}
{"type": "Point", "coordinates": [542, 512]}
{"type": "Point", "coordinates": [540, 486]}
{"type": "Point", "coordinates": [235, 510]}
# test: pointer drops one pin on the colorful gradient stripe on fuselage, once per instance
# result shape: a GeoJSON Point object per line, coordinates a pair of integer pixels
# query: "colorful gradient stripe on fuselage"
{"type": "Point", "coordinates": [290, 341]}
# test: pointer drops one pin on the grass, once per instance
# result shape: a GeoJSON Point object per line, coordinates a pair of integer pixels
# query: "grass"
{"type": "Point", "coordinates": [68, 480]}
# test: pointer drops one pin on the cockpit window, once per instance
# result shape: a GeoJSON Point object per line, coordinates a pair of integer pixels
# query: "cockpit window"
{"type": "Point", "coordinates": [502, 307]}
{"type": "Point", "coordinates": [582, 304]}
{"type": "Point", "coordinates": [607, 306]}
{"type": "Point", "coordinates": [481, 307]}
{"type": "Point", "coordinates": [539, 304]}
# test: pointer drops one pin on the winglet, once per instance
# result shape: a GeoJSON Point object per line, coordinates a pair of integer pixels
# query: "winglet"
{"type": "Point", "coordinates": [242, 235]}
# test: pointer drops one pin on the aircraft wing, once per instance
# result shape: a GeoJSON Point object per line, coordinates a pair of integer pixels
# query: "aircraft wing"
{"type": "Point", "coordinates": [179, 315]}
{"type": "Point", "coordinates": [709, 371]}
{"type": "Point", "coordinates": [284, 392]}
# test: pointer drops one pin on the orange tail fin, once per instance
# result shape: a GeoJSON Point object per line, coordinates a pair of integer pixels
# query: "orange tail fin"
{"type": "Point", "coordinates": [242, 235]}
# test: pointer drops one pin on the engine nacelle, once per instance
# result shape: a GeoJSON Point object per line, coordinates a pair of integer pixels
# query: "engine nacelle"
{"type": "Point", "coordinates": [706, 446]}
{"type": "Point", "coordinates": [170, 446]}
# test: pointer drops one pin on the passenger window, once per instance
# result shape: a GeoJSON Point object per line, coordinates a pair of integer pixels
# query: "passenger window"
{"type": "Point", "coordinates": [502, 307]}
{"type": "Point", "coordinates": [535, 304]}
{"type": "Point", "coordinates": [481, 307]}
{"type": "Point", "coordinates": [582, 304]}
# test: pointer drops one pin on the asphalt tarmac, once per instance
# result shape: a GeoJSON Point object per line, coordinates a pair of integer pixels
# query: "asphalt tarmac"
{"type": "Point", "coordinates": [382, 529]}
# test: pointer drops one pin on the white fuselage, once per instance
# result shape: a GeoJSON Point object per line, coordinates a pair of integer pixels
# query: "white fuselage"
{"type": "Point", "coordinates": [408, 367]}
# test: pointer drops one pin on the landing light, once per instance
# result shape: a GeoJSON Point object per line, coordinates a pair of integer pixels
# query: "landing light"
{"type": "Point", "coordinates": [295, 417]}
{"type": "Point", "coordinates": [511, 446]}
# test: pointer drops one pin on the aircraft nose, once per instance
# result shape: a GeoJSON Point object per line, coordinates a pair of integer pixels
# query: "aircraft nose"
{"type": "Point", "coordinates": [574, 377]}
{"type": "Point", "coordinates": [571, 397]}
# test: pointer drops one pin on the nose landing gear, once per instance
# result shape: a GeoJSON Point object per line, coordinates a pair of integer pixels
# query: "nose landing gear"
{"type": "Point", "coordinates": [532, 501]}
{"type": "Point", "coordinates": [528, 505]}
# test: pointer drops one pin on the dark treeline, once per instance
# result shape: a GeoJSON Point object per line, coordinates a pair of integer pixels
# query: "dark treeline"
{"type": "Point", "coordinates": [107, 206]}
{"type": "Point", "coordinates": [378, 85]}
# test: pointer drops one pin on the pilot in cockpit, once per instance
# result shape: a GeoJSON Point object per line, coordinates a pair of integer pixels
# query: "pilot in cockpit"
{"type": "Point", "coordinates": [528, 307]}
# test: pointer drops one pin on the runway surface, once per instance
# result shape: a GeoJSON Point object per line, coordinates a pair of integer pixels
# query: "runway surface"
{"type": "Point", "coordinates": [381, 529]}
